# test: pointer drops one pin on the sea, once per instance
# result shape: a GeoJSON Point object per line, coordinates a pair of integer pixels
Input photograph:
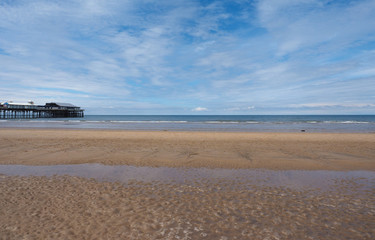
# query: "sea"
{"type": "Point", "coordinates": [225, 123]}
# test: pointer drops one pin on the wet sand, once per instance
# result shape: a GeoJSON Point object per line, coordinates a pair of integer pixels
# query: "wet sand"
{"type": "Point", "coordinates": [203, 205]}
{"type": "Point", "coordinates": [64, 207]}
{"type": "Point", "coordinates": [307, 151]}
{"type": "Point", "coordinates": [294, 179]}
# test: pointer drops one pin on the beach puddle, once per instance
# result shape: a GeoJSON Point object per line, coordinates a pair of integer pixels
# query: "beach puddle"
{"type": "Point", "coordinates": [294, 179]}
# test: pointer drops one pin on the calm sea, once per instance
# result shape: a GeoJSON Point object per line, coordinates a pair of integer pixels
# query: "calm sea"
{"type": "Point", "coordinates": [233, 123]}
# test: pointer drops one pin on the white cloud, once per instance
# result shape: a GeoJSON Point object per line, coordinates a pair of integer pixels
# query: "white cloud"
{"type": "Point", "coordinates": [199, 109]}
{"type": "Point", "coordinates": [311, 23]}
{"type": "Point", "coordinates": [333, 105]}
{"type": "Point", "coordinates": [234, 109]}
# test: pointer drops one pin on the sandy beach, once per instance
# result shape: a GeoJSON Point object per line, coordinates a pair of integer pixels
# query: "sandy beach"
{"type": "Point", "coordinates": [71, 207]}
{"type": "Point", "coordinates": [76, 208]}
{"type": "Point", "coordinates": [304, 151]}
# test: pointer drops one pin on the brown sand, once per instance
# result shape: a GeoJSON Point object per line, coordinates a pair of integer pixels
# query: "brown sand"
{"type": "Point", "coordinates": [65, 207]}
{"type": "Point", "coordinates": [308, 151]}
{"type": "Point", "coordinates": [76, 208]}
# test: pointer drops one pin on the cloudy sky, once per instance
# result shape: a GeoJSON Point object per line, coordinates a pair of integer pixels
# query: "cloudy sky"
{"type": "Point", "coordinates": [191, 57]}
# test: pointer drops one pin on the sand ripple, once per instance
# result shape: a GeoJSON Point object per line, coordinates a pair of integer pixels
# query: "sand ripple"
{"type": "Point", "coordinates": [78, 208]}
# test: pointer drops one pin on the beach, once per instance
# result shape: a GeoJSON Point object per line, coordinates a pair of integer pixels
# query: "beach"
{"type": "Point", "coordinates": [304, 151]}
{"type": "Point", "coordinates": [187, 120]}
{"type": "Point", "coordinates": [64, 207]}
{"type": "Point", "coordinates": [240, 198]}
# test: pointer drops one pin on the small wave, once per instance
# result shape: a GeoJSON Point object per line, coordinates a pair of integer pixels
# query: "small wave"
{"type": "Point", "coordinates": [230, 122]}
{"type": "Point", "coordinates": [221, 122]}
{"type": "Point", "coordinates": [354, 122]}
{"type": "Point", "coordinates": [45, 121]}
{"type": "Point", "coordinates": [347, 122]}
{"type": "Point", "coordinates": [150, 121]}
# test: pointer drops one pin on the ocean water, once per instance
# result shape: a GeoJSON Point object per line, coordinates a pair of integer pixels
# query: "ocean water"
{"type": "Point", "coordinates": [230, 123]}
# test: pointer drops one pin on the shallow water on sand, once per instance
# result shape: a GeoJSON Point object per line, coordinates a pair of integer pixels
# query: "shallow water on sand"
{"type": "Point", "coordinates": [294, 179]}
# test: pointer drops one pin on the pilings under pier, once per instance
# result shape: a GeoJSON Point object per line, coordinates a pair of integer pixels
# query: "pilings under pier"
{"type": "Point", "coordinates": [6, 113]}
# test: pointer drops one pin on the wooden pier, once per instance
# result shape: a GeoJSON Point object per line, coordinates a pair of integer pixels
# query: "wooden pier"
{"type": "Point", "coordinates": [50, 110]}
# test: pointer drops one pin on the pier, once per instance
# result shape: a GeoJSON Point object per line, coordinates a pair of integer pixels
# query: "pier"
{"type": "Point", "coordinates": [10, 110]}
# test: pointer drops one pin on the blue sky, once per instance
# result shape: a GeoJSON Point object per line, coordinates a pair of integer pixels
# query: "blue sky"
{"type": "Point", "coordinates": [191, 57]}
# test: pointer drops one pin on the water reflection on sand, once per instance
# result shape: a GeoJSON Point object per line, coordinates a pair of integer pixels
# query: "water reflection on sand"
{"type": "Point", "coordinates": [295, 179]}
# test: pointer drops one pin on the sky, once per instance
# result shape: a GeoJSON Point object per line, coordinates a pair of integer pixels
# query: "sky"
{"type": "Point", "coordinates": [190, 57]}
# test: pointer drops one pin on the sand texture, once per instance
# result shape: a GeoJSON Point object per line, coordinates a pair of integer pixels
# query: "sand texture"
{"type": "Point", "coordinates": [199, 207]}
{"type": "Point", "coordinates": [189, 149]}
{"type": "Point", "coordinates": [76, 208]}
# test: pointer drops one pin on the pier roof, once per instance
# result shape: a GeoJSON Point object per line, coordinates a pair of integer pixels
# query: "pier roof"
{"type": "Point", "coordinates": [61, 104]}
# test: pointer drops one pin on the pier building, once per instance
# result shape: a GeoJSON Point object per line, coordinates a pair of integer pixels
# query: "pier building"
{"type": "Point", "coordinates": [14, 110]}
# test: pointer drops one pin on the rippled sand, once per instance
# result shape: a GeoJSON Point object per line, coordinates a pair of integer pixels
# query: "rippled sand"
{"type": "Point", "coordinates": [65, 207]}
